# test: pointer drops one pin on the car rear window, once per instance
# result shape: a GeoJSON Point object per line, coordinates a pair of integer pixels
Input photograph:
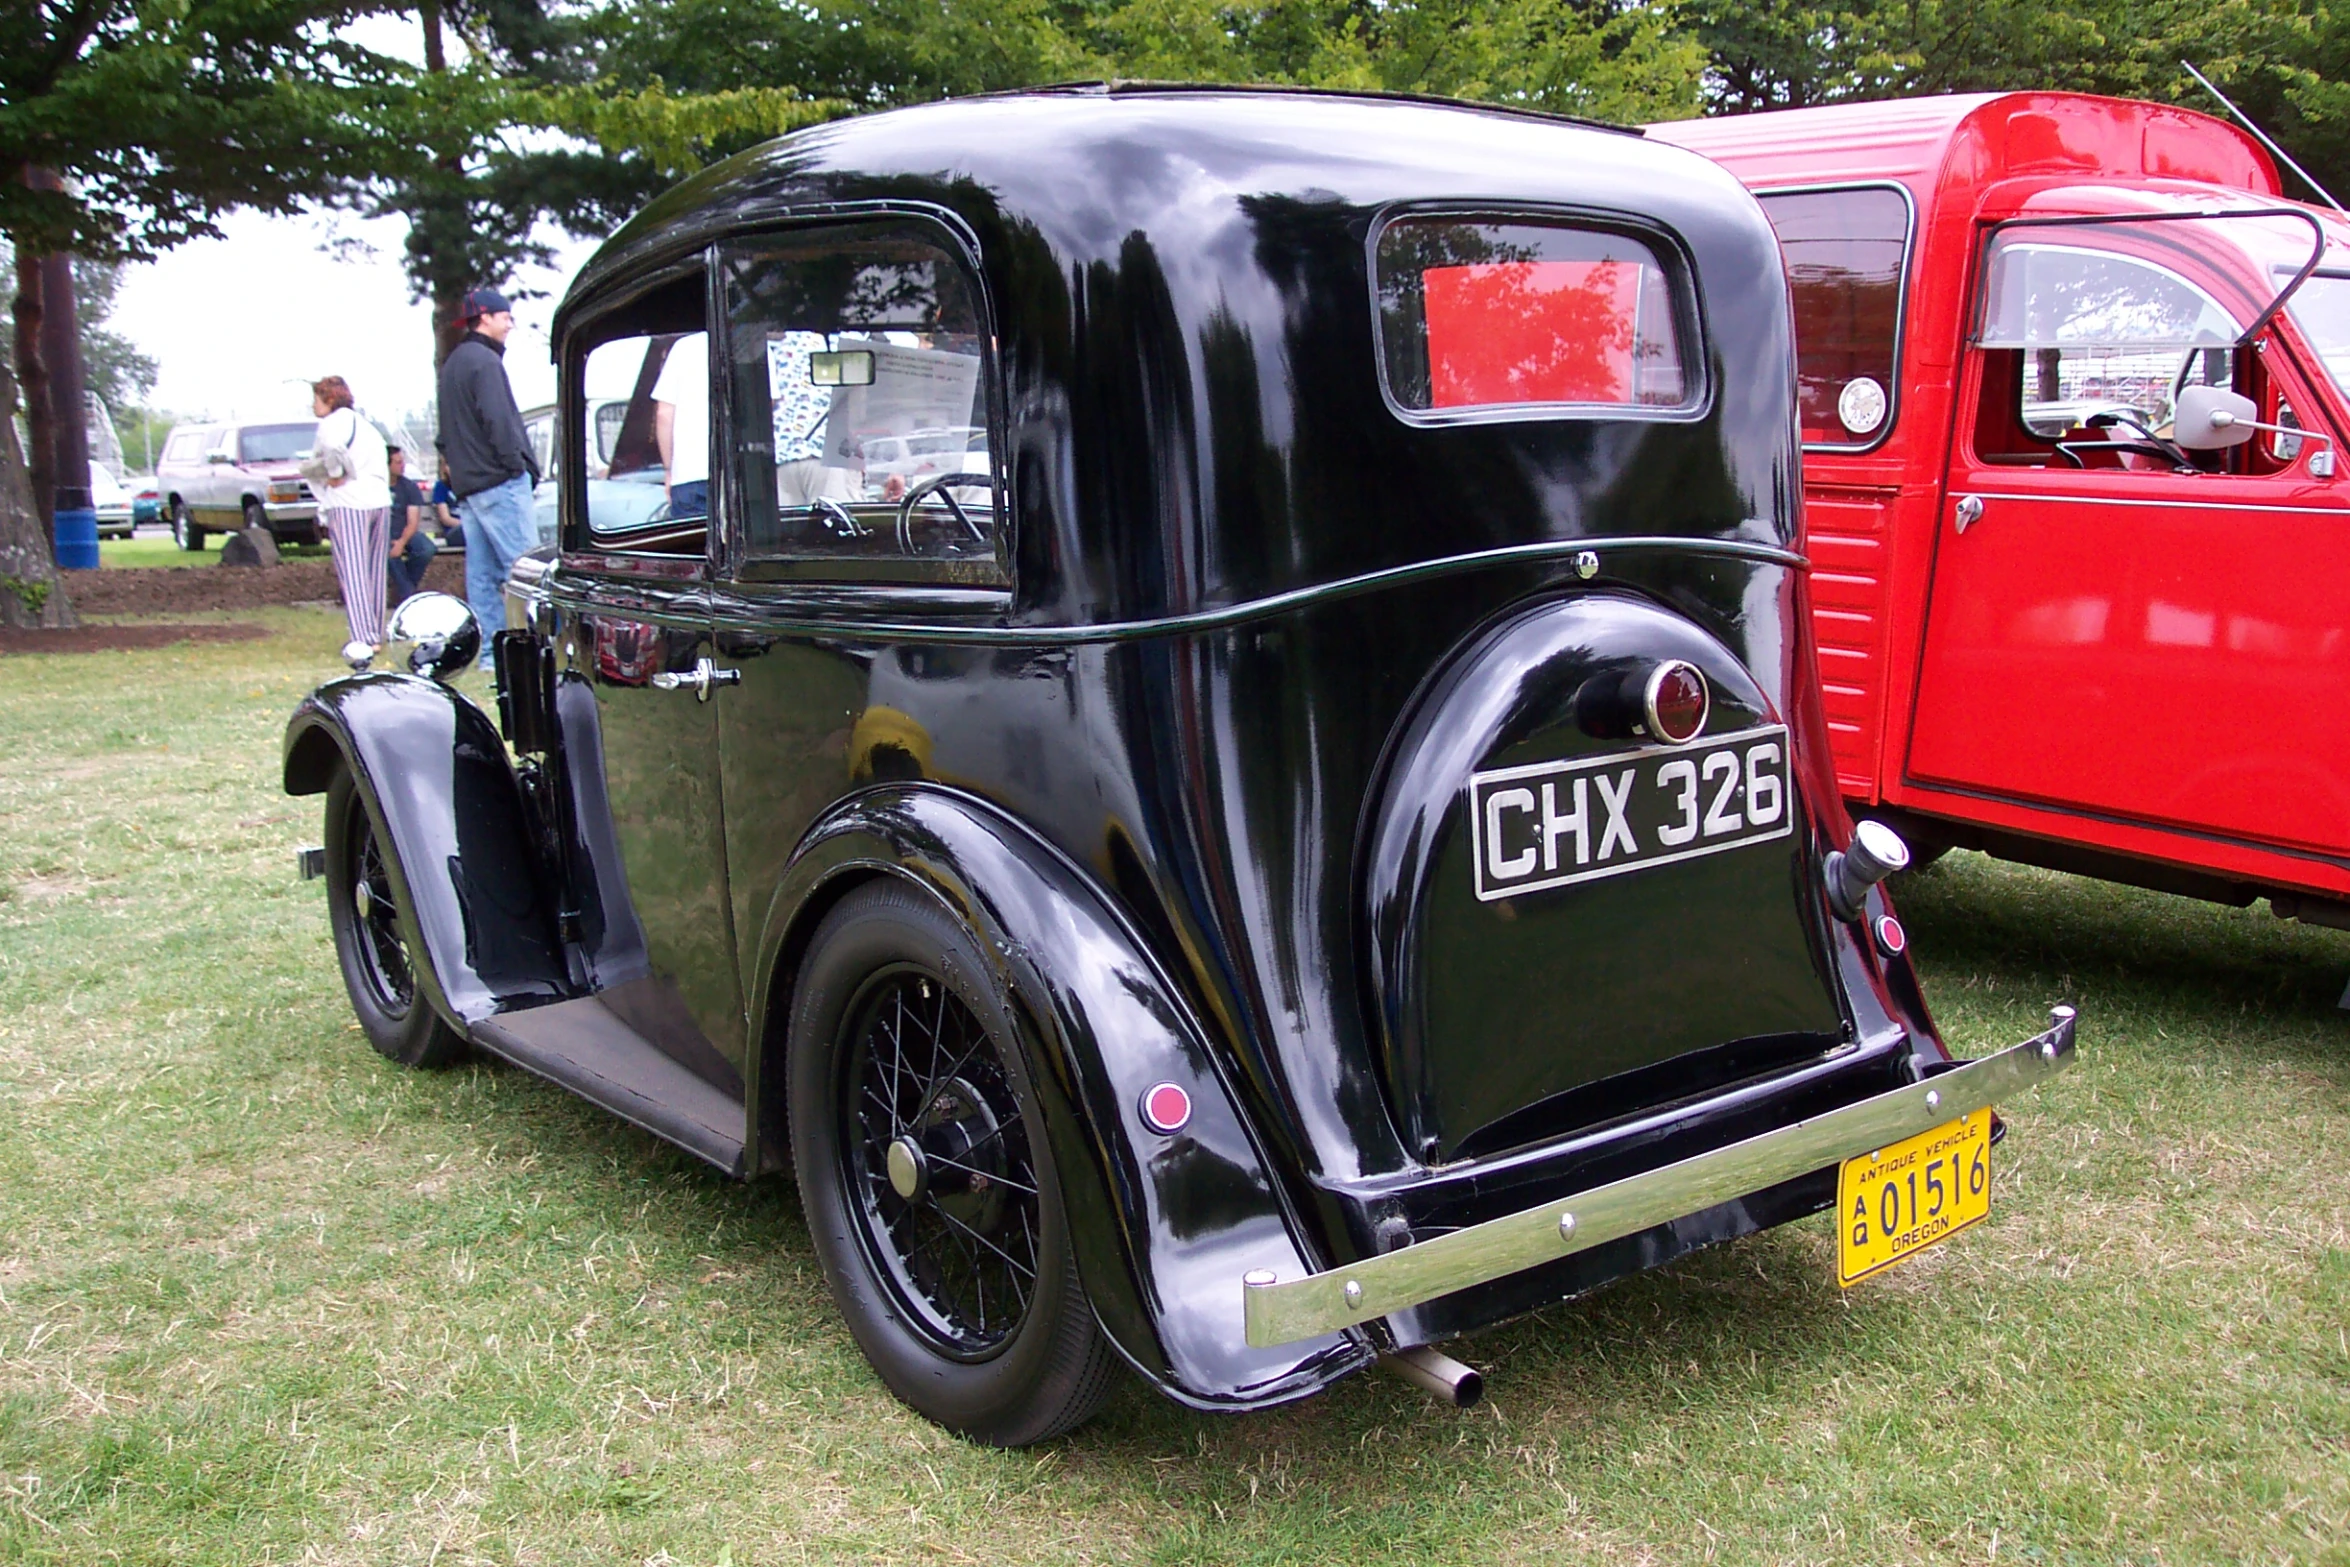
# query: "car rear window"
{"type": "Point", "coordinates": [1519, 315]}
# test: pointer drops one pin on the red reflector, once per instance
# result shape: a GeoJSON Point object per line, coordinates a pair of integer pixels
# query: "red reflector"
{"type": "Point", "coordinates": [1677, 702]}
{"type": "Point", "coordinates": [1892, 940]}
{"type": "Point", "coordinates": [1166, 1108]}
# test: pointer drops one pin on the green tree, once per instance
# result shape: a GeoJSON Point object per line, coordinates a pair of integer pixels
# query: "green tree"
{"type": "Point", "coordinates": [481, 200]}
{"type": "Point", "coordinates": [154, 117]}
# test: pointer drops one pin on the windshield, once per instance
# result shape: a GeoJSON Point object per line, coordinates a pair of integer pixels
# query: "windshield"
{"type": "Point", "coordinates": [2321, 310]}
{"type": "Point", "coordinates": [275, 442]}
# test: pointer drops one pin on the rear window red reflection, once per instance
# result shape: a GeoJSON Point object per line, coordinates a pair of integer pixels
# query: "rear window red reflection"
{"type": "Point", "coordinates": [1531, 332]}
{"type": "Point", "coordinates": [1487, 314]}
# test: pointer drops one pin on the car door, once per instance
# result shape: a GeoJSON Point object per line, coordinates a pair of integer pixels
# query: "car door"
{"type": "Point", "coordinates": [636, 580]}
{"type": "Point", "coordinates": [2110, 632]}
{"type": "Point", "coordinates": [840, 340]}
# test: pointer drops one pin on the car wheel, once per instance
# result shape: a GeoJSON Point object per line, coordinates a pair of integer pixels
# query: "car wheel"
{"type": "Point", "coordinates": [377, 968]}
{"type": "Point", "coordinates": [184, 531]}
{"type": "Point", "coordinates": [927, 1178]}
{"type": "Point", "coordinates": [256, 515]}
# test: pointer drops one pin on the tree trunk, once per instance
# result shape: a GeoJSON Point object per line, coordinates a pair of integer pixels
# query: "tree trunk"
{"type": "Point", "coordinates": [30, 592]}
{"type": "Point", "coordinates": [32, 374]}
{"type": "Point", "coordinates": [448, 293]}
{"type": "Point", "coordinates": [69, 409]}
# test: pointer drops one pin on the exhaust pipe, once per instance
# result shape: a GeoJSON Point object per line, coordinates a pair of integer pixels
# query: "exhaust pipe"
{"type": "Point", "coordinates": [1424, 1368]}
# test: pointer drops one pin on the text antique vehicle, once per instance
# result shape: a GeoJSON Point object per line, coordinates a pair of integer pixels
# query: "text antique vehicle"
{"type": "Point", "coordinates": [1306, 833]}
{"type": "Point", "coordinates": [2072, 377]}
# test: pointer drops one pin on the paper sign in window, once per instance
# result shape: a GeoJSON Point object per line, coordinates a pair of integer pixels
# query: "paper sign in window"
{"type": "Point", "coordinates": [1531, 332]}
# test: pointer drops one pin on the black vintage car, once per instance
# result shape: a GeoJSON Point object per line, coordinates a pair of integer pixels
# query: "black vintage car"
{"type": "Point", "coordinates": [1195, 707]}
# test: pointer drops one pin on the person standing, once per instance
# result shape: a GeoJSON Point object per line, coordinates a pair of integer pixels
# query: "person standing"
{"type": "Point", "coordinates": [444, 510]}
{"type": "Point", "coordinates": [681, 425]}
{"type": "Point", "coordinates": [354, 505]}
{"type": "Point", "coordinates": [412, 548]}
{"type": "Point", "coordinates": [491, 466]}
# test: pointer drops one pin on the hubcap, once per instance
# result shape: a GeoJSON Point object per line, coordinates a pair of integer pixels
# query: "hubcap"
{"type": "Point", "coordinates": [908, 1170]}
{"type": "Point", "coordinates": [938, 1169]}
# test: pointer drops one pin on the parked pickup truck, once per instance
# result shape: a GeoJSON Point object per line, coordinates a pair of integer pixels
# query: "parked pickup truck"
{"type": "Point", "coordinates": [225, 477]}
{"type": "Point", "coordinates": [2072, 374]}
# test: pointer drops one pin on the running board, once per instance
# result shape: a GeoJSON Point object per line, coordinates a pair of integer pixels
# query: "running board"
{"type": "Point", "coordinates": [581, 1045]}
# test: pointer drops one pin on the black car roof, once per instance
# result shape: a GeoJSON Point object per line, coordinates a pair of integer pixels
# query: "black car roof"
{"type": "Point", "coordinates": [1028, 155]}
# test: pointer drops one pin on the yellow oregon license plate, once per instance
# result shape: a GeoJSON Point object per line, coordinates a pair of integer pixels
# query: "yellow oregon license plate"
{"type": "Point", "coordinates": [1895, 1202]}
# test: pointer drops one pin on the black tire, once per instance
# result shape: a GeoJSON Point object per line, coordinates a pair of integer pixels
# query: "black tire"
{"type": "Point", "coordinates": [184, 531]}
{"type": "Point", "coordinates": [256, 514]}
{"type": "Point", "coordinates": [891, 972]}
{"type": "Point", "coordinates": [378, 971]}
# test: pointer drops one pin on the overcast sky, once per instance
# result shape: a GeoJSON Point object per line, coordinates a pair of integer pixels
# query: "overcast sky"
{"type": "Point", "coordinates": [236, 322]}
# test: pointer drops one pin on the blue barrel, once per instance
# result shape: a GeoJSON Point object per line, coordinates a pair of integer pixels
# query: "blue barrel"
{"type": "Point", "coordinates": [77, 539]}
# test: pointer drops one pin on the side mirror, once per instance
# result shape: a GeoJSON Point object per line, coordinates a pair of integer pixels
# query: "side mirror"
{"type": "Point", "coordinates": [217, 454]}
{"type": "Point", "coordinates": [2212, 419]}
{"type": "Point", "coordinates": [442, 634]}
{"type": "Point", "coordinates": [844, 367]}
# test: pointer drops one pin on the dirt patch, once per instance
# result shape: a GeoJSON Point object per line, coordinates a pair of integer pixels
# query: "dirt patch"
{"type": "Point", "coordinates": [116, 639]}
{"type": "Point", "coordinates": [169, 590]}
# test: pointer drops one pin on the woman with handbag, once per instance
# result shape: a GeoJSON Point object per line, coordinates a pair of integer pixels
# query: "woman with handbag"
{"type": "Point", "coordinates": [349, 471]}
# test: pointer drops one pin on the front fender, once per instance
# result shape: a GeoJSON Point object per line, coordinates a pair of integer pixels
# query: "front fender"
{"type": "Point", "coordinates": [1164, 1227]}
{"type": "Point", "coordinates": [446, 806]}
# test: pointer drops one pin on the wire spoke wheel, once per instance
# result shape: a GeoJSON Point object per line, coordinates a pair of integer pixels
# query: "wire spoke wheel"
{"type": "Point", "coordinates": [382, 954]}
{"type": "Point", "coordinates": [390, 984]}
{"type": "Point", "coordinates": [936, 1162]}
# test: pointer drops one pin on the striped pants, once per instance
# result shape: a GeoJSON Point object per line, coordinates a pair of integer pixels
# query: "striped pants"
{"type": "Point", "coordinates": [362, 548]}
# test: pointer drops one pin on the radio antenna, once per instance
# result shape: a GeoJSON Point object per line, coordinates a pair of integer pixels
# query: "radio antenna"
{"type": "Point", "coordinates": [2276, 151]}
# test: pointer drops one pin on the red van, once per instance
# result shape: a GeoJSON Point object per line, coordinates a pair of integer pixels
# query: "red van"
{"type": "Point", "coordinates": [2072, 371]}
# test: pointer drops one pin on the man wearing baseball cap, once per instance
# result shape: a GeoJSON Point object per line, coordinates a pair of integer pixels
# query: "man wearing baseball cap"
{"type": "Point", "coordinates": [491, 465]}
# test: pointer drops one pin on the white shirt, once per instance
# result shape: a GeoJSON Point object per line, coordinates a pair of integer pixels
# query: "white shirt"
{"type": "Point", "coordinates": [684, 384]}
{"type": "Point", "coordinates": [369, 487]}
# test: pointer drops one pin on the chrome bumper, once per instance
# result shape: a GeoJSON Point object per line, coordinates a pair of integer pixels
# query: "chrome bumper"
{"type": "Point", "coordinates": [1279, 1311]}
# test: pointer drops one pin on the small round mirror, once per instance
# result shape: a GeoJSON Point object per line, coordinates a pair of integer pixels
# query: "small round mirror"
{"type": "Point", "coordinates": [441, 634]}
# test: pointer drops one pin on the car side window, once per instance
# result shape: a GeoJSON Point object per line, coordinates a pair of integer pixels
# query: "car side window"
{"type": "Point", "coordinates": [862, 405]}
{"type": "Point", "coordinates": [1846, 253]}
{"type": "Point", "coordinates": [640, 449]}
{"type": "Point", "coordinates": [2087, 350]}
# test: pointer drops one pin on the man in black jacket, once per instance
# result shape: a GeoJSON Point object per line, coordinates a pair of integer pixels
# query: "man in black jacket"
{"type": "Point", "coordinates": [491, 465]}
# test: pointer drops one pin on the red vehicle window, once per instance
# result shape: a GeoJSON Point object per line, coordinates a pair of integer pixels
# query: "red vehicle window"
{"type": "Point", "coordinates": [1512, 315]}
{"type": "Point", "coordinates": [1845, 250]}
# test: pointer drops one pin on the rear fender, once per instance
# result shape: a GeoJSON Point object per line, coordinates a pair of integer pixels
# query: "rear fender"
{"type": "Point", "coordinates": [445, 803]}
{"type": "Point", "coordinates": [1164, 1227]}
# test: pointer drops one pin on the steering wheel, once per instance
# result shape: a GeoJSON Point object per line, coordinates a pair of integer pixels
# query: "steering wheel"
{"type": "Point", "coordinates": [2119, 416]}
{"type": "Point", "coordinates": [2152, 445]}
{"type": "Point", "coordinates": [940, 485]}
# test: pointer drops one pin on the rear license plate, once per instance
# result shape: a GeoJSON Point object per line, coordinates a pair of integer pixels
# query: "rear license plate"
{"type": "Point", "coordinates": [1896, 1202]}
{"type": "Point", "coordinates": [1552, 824]}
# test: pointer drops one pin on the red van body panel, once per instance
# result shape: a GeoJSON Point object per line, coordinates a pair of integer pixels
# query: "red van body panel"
{"type": "Point", "coordinates": [2135, 739]}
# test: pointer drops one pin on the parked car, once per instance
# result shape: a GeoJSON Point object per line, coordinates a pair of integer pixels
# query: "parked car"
{"type": "Point", "coordinates": [113, 503]}
{"type": "Point", "coordinates": [2040, 598]}
{"type": "Point", "coordinates": [146, 502]}
{"type": "Point", "coordinates": [642, 495]}
{"type": "Point", "coordinates": [1324, 842]}
{"type": "Point", "coordinates": [226, 477]}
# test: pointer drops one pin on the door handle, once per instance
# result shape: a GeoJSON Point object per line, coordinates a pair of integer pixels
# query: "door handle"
{"type": "Point", "coordinates": [698, 679]}
{"type": "Point", "coordinates": [1970, 511]}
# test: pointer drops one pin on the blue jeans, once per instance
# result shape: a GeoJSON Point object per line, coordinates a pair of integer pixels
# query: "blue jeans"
{"type": "Point", "coordinates": [408, 566]}
{"type": "Point", "coordinates": [498, 529]}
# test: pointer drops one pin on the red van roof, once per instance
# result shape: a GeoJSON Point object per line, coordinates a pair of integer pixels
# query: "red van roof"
{"type": "Point", "coordinates": [1995, 135]}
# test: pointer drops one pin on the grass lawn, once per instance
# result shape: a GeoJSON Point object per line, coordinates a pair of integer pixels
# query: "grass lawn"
{"type": "Point", "coordinates": [158, 549]}
{"type": "Point", "coordinates": [266, 1298]}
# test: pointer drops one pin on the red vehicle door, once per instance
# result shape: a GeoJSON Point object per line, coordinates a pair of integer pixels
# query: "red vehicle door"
{"type": "Point", "coordinates": [2113, 630]}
